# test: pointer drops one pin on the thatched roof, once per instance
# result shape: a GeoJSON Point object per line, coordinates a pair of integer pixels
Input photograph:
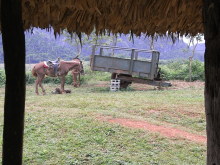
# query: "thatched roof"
{"type": "Point", "coordinates": [116, 16]}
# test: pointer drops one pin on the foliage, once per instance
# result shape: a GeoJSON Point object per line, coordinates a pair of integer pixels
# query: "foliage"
{"type": "Point", "coordinates": [179, 70]}
{"type": "Point", "coordinates": [194, 40]}
{"type": "Point", "coordinates": [171, 70]}
{"type": "Point", "coordinates": [42, 45]}
{"type": "Point", "coordinates": [94, 76]}
{"type": "Point", "coordinates": [87, 41]}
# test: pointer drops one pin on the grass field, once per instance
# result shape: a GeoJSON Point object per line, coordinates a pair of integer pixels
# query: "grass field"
{"type": "Point", "coordinates": [66, 129]}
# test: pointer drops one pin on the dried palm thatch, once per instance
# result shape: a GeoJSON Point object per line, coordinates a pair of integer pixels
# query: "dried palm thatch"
{"type": "Point", "coordinates": [115, 16]}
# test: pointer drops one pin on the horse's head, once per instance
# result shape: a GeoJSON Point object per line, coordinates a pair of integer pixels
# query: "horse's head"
{"type": "Point", "coordinates": [81, 69]}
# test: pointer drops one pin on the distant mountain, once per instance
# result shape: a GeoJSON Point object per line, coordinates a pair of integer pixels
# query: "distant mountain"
{"type": "Point", "coordinates": [42, 45]}
{"type": "Point", "coordinates": [168, 50]}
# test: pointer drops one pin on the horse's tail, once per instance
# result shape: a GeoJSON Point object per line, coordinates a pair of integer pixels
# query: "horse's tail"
{"type": "Point", "coordinates": [34, 73]}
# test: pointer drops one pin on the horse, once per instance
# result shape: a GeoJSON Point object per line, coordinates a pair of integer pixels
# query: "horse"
{"type": "Point", "coordinates": [41, 70]}
{"type": "Point", "coordinates": [76, 75]}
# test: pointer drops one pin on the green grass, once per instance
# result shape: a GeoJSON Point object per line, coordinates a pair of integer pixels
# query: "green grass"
{"type": "Point", "coordinates": [64, 129]}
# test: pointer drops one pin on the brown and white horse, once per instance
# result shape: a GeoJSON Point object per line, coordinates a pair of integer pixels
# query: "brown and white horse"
{"type": "Point", "coordinates": [40, 70]}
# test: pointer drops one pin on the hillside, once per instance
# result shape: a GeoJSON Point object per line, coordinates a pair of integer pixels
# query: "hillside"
{"type": "Point", "coordinates": [42, 45]}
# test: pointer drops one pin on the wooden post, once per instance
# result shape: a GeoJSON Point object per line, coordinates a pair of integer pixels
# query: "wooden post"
{"type": "Point", "coordinates": [101, 52]}
{"type": "Point", "coordinates": [136, 56]}
{"type": "Point", "coordinates": [93, 49]}
{"type": "Point", "coordinates": [154, 64]}
{"type": "Point", "coordinates": [14, 58]}
{"type": "Point", "coordinates": [132, 61]}
{"type": "Point", "coordinates": [211, 21]}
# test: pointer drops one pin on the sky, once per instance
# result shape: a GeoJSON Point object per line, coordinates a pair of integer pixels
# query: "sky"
{"type": "Point", "coordinates": [186, 40]}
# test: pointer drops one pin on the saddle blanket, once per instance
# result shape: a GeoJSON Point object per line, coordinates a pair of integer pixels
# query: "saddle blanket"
{"type": "Point", "coordinates": [45, 65]}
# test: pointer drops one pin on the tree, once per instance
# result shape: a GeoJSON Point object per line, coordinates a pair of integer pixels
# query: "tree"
{"type": "Point", "coordinates": [92, 39]}
{"type": "Point", "coordinates": [77, 41]}
{"type": "Point", "coordinates": [194, 40]}
{"type": "Point", "coordinates": [151, 40]}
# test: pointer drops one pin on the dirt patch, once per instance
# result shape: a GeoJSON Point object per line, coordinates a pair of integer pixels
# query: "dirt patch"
{"type": "Point", "coordinates": [191, 114]}
{"type": "Point", "coordinates": [163, 130]}
{"type": "Point", "coordinates": [183, 84]}
{"type": "Point", "coordinates": [176, 84]}
{"type": "Point", "coordinates": [154, 111]}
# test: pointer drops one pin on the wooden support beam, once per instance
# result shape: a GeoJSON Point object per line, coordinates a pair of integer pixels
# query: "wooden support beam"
{"type": "Point", "coordinates": [14, 58]}
{"type": "Point", "coordinates": [211, 13]}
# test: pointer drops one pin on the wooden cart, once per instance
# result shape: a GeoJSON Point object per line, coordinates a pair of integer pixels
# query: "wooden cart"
{"type": "Point", "coordinates": [128, 69]}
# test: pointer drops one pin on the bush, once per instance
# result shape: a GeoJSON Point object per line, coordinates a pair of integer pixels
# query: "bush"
{"type": "Point", "coordinates": [90, 76]}
{"type": "Point", "coordinates": [179, 70]}
{"type": "Point", "coordinates": [29, 78]}
{"type": "Point", "coordinates": [170, 70]}
{"type": "Point", "coordinates": [93, 76]}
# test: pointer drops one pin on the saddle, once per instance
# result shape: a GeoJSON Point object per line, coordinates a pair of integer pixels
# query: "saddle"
{"type": "Point", "coordinates": [52, 64]}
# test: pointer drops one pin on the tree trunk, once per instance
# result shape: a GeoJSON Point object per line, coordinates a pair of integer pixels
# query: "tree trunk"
{"type": "Point", "coordinates": [14, 58]}
{"type": "Point", "coordinates": [78, 46]}
{"type": "Point", "coordinates": [190, 69]}
{"type": "Point", "coordinates": [212, 79]}
{"type": "Point", "coordinates": [191, 59]}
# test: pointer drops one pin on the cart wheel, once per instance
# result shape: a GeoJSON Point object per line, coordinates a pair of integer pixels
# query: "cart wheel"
{"type": "Point", "coordinates": [124, 84]}
{"type": "Point", "coordinates": [114, 75]}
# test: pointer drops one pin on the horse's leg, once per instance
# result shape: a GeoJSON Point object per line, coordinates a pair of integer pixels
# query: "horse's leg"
{"type": "Point", "coordinates": [36, 86]}
{"type": "Point", "coordinates": [62, 80]}
{"type": "Point", "coordinates": [40, 84]}
{"type": "Point", "coordinates": [74, 79]}
{"type": "Point", "coordinates": [79, 79]}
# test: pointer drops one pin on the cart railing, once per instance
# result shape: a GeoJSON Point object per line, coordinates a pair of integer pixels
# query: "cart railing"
{"type": "Point", "coordinates": [133, 66]}
{"type": "Point", "coordinates": [136, 50]}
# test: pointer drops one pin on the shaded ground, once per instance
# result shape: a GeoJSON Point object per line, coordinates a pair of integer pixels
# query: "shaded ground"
{"type": "Point", "coordinates": [162, 130]}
